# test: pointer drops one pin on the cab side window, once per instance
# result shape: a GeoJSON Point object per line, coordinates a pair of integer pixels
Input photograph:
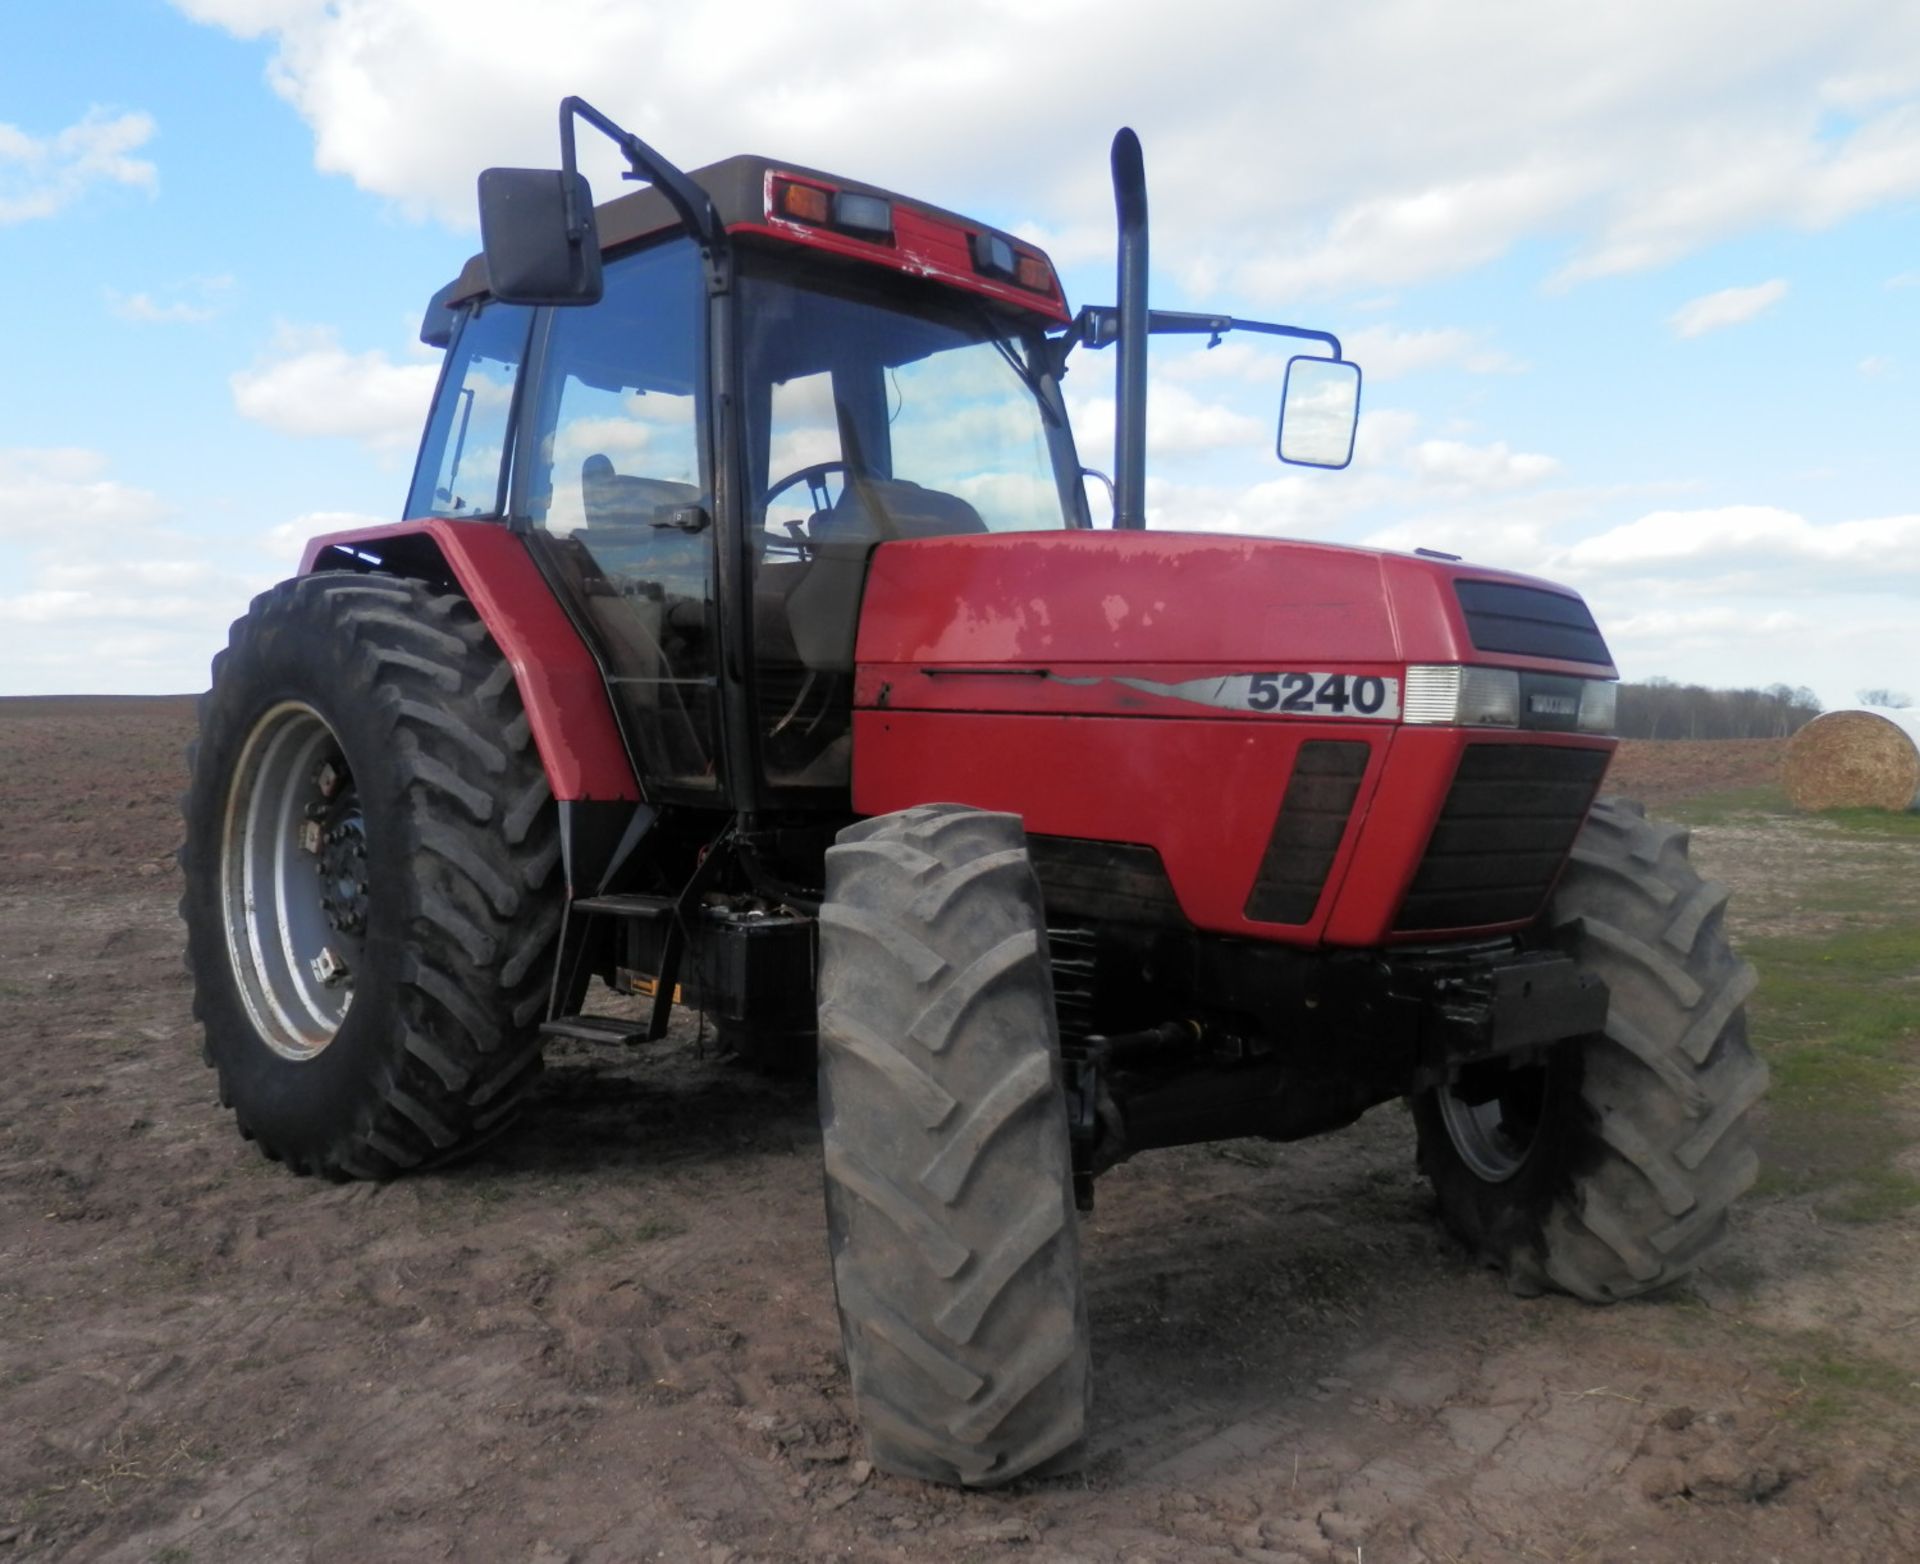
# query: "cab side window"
{"type": "Point", "coordinates": [618, 432]}
{"type": "Point", "coordinates": [463, 459]}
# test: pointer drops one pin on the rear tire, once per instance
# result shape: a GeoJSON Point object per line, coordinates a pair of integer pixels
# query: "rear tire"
{"type": "Point", "coordinates": [949, 1181]}
{"type": "Point", "coordinates": [1608, 1171]}
{"type": "Point", "coordinates": [444, 911]}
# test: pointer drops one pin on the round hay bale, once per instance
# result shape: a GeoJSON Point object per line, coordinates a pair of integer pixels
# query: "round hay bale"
{"type": "Point", "coordinates": [1863, 759]}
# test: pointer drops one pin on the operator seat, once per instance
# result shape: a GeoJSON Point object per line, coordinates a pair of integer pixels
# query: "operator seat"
{"type": "Point", "coordinates": [611, 499]}
{"type": "Point", "coordinates": [823, 606]}
{"type": "Point", "coordinates": [806, 616]}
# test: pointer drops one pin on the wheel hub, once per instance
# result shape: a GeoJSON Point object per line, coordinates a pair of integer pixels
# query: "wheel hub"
{"type": "Point", "coordinates": [342, 864]}
{"type": "Point", "coordinates": [1495, 1135]}
{"type": "Point", "coordinates": [294, 880]}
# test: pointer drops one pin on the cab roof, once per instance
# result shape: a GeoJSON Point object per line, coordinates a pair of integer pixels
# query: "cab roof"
{"type": "Point", "coordinates": [927, 240]}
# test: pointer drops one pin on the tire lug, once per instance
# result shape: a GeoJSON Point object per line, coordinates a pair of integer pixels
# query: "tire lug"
{"type": "Point", "coordinates": [328, 969]}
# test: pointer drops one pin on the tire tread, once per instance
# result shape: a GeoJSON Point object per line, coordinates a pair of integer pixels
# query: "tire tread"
{"type": "Point", "coordinates": [478, 885]}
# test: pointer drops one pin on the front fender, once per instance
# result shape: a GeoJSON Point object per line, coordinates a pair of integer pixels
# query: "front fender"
{"type": "Point", "coordinates": [561, 685]}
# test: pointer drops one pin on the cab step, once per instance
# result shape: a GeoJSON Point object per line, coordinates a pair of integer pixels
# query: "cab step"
{"type": "Point", "coordinates": [627, 905]}
{"type": "Point", "coordinates": [619, 1030]}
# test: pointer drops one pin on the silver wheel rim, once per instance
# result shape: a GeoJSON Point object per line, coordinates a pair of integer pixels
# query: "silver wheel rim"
{"type": "Point", "coordinates": [292, 815]}
{"type": "Point", "coordinates": [1486, 1136]}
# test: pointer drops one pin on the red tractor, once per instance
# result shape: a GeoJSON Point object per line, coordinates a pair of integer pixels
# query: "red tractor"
{"type": "Point", "coordinates": [749, 644]}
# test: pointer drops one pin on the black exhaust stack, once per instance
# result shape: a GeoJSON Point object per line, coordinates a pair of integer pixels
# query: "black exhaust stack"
{"type": "Point", "coordinates": [1130, 373]}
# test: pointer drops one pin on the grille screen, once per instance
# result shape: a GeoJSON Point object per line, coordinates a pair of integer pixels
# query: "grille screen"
{"type": "Point", "coordinates": [1507, 826]}
{"type": "Point", "coordinates": [1313, 819]}
{"type": "Point", "coordinates": [1505, 618]}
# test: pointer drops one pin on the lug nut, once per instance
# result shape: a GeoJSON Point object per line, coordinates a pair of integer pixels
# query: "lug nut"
{"type": "Point", "coordinates": [328, 969]}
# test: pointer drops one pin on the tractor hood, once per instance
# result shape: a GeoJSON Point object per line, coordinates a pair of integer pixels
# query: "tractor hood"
{"type": "Point", "coordinates": [1053, 612]}
{"type": "Point", "coordinates": [1228, 714]}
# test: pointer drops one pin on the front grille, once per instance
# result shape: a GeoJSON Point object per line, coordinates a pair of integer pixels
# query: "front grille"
{"type": "Point", "coordinates": [1507, 826]}
{"type": "Point", "coordinates": [1121, 882]}
{"type": "Point", "coordinates": [1313, 819]}
{"type": "Point", "coordinates": [1071, 948]}
{"type": "Point", "coordinates": [1502, 617]}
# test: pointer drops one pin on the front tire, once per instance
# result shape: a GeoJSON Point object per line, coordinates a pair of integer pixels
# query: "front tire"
{"type": "Point", "coordinates": [372, 887]}
{"type": "Point", "coordinates": [949, 1182]}
{"type": "Point", "coordinates": [1608, 1170]}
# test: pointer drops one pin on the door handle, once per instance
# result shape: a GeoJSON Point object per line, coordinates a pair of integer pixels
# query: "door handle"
{"type": "Point", "coordinates": [685, 518]}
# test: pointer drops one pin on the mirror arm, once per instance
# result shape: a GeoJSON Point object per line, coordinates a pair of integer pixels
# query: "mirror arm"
{"type": "Point", "coordinates": [1098, 326]}
{"type": "Point", "coordinates": [692, 204]}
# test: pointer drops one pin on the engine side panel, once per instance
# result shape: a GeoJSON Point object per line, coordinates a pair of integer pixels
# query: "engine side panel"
{"type": "Point", "coordinates": [560, 683]}
{"type": "Point", "coordinates": [1204, 793]}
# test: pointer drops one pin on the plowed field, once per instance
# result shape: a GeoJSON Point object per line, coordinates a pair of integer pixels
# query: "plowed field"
{"type": "Point", "coordinates": [611, 1336]}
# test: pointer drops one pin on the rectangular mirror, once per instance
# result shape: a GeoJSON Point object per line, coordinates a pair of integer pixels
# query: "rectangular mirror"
{"type": "Point", "coordinates": [1319, 411]}
{"type": "Point", "coordinates": [531, 256]}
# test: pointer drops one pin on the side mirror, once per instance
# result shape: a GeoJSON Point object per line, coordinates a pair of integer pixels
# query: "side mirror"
{"type": "Point", "coordinates": [539, 252]}
{"type": "Point", "coordinates": [1319, 412]}
{"type": "Point", "coordinates": [436, 323]}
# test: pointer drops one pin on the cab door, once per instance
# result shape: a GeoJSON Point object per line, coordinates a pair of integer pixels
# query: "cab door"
{"type": "Point", "coordinates": [616, 486]}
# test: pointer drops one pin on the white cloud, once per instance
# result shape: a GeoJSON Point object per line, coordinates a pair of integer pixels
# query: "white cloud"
{"type": "Point", "coordinates": [90, 575]}
{"type": "Point", "coordinates": [1720, 181]}
{"type": "Point", "coordinates": [1387, 354]}
{"type": "Point", "coordinates": [42, 175]}
{"type": "Point", "coordinates": [1429, 231]}
{"type": "Point", "coordinates": [1705, 627]}
{"type": "Point", "coordinates": [141, 308]}
{"type": "Point", "coordinates": [1383, 352]}
{"type": "Point", "coordinates": [308, 384]}
{"type": "Point", "coordinates": [195, 308]}
{"type": "Point", "coordinates": [1833, 643]}
{"type": "Point", "coordinates": [1403, 140]}
{"type": "Point", "coordinates": [1728, 307]}
{"type": "Point", "coordinates": [50, 493]}
{"type": "Point", "coordinates": [1234, 360]}
{"type": "Point", "coordinates": [250, 18]}
{"type": "Point", "coordinates": [1735, 540]}
{"type": "Point", "coordinates": [1394, 472]}
{"type": "Point", "coordinates": [1478, 469]}
{"type": "Point", "coordinates": [100, 591]}
{"type": "Point", "coordinates": [1179, 424]}
{"type": "Point", "coordinates": [1875, 365]}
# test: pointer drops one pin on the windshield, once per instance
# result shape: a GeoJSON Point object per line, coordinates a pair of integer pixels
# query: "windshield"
{"type": "Point", "coordinates": [876, 408]}
{"type": "Point", "coordinates": [887, 408]}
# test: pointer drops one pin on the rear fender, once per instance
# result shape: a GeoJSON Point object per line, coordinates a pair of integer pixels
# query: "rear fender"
{"type": "Point", "coordinates": [561, 685]}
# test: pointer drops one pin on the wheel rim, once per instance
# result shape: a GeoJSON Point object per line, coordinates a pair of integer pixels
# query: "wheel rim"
{"type": "Point", "coordinates": [293, 880]}
{"type": "Point", "coordinates": [1495, 1138]}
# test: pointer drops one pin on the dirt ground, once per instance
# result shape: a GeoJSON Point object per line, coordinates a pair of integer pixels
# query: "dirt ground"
{"type": "Point", "coordinates": [611, 1337]}
{"type": "Point", "coordinates": [1665, 771]}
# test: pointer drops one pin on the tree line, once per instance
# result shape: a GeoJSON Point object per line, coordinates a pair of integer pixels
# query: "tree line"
{"type": "Point", "coordinates": [1663, 709]}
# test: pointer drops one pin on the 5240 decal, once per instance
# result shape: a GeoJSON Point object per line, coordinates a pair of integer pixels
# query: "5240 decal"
{"type": "Point", "coordinates": [1287, 693]}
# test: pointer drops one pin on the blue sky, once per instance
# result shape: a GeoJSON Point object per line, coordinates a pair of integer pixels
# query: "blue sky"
{"type": "Point", "coordinates": [1637, 288]}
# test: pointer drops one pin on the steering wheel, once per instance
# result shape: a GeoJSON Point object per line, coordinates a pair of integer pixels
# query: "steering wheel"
{"type": "Point", "coordinates": [814, 477]}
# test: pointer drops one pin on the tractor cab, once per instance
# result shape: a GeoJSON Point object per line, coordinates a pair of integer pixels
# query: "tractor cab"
{"type": "Point", "coordinates": [705, 404]}
{"type": "Point", "coordinates": [703, 460]}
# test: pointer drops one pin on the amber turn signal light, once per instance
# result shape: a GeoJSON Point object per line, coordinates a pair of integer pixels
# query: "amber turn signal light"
{"type": "Point", "coordinates": [803, 203]}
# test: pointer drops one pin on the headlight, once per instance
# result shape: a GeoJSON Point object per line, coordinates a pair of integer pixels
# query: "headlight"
{"type": "Point", "coordinates": [1450, 694]}
{"type": "Point", "coordinates": [1463, 697]}
{"type": "Point", "coordinates": [1599, 699]}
